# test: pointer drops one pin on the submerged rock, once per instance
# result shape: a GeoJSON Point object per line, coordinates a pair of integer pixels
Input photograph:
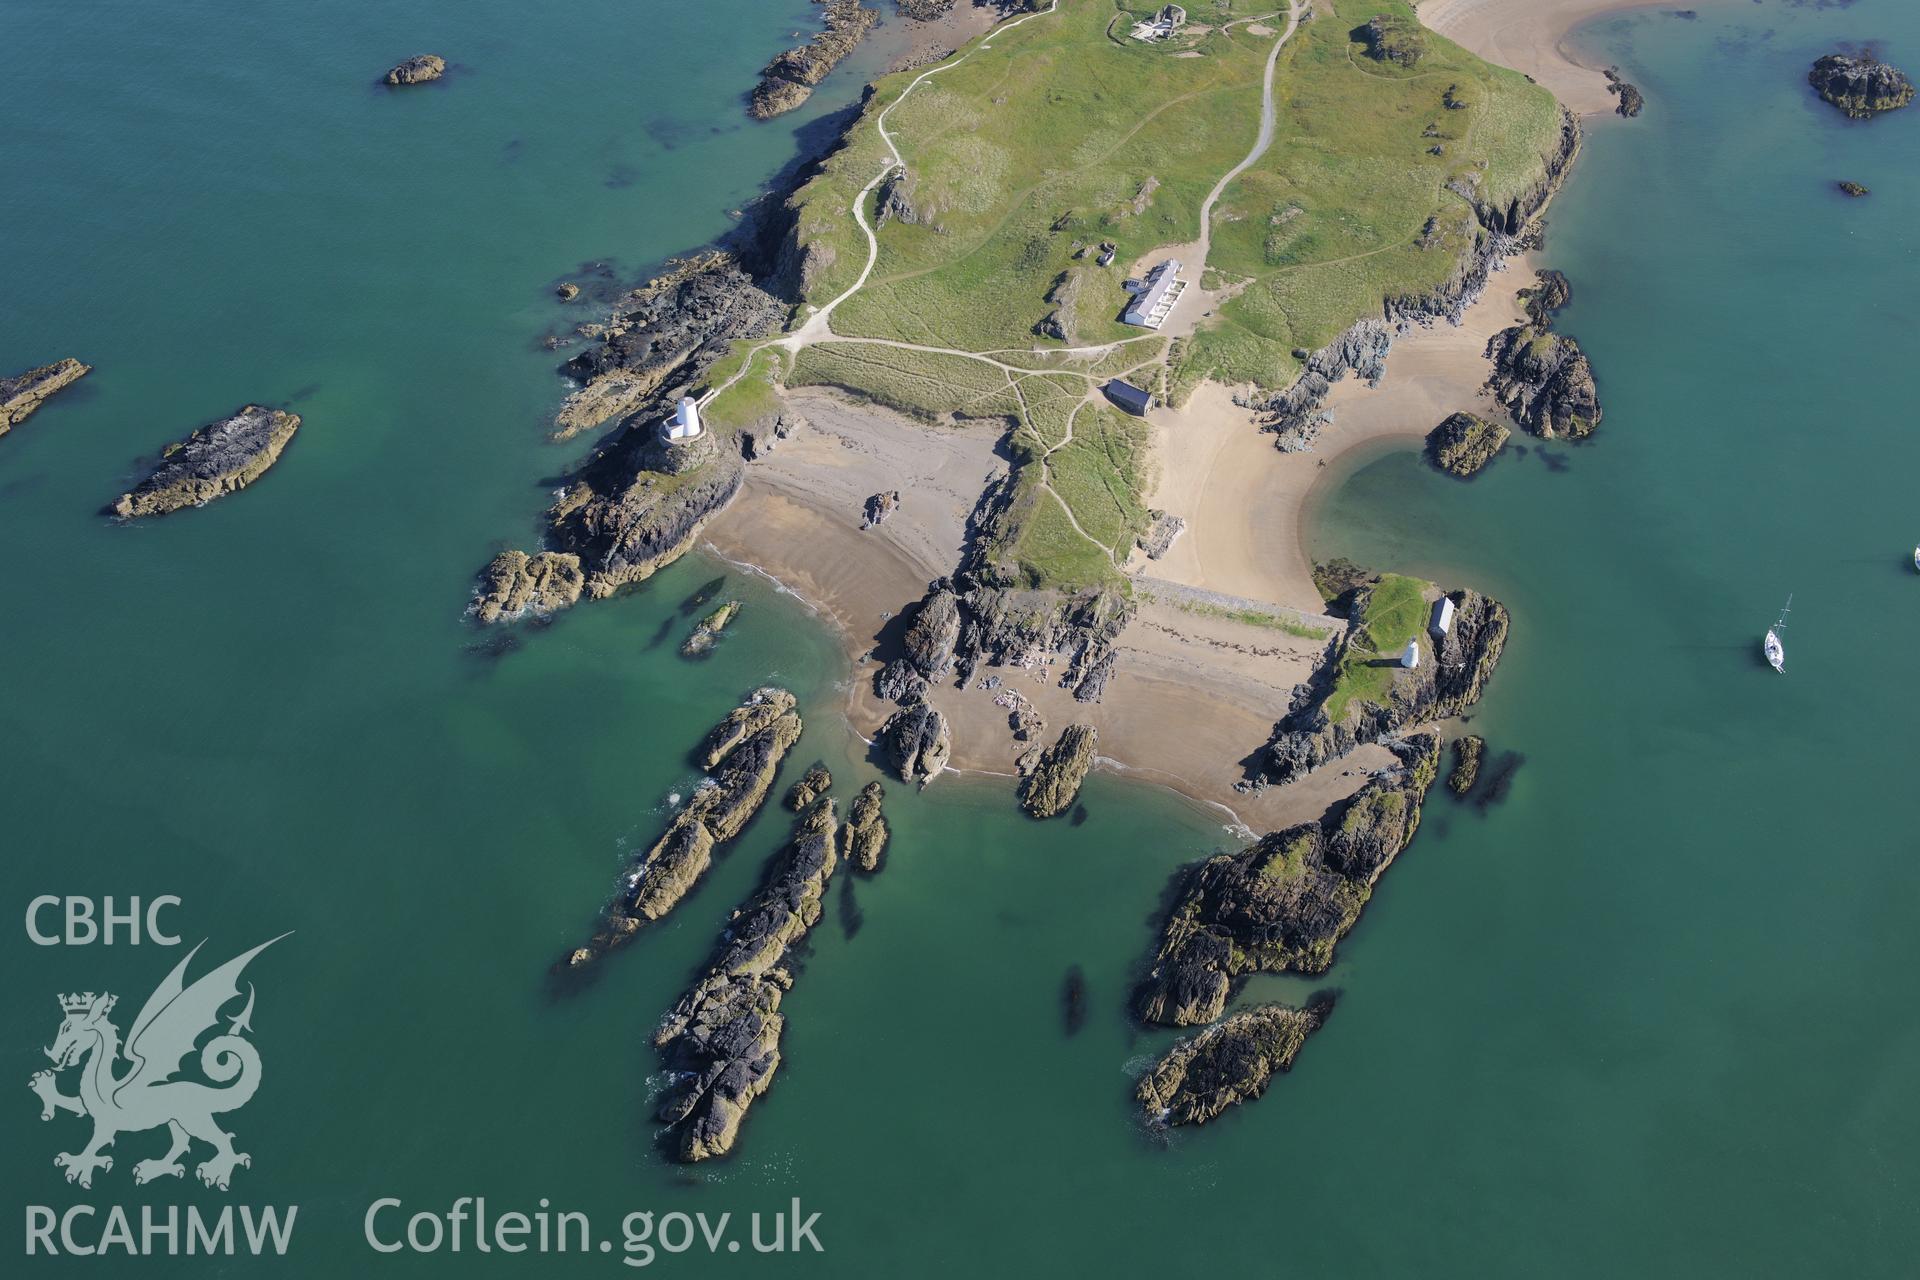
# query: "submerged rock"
{"type": "Point", "coordinates": [1468, 751]}
{"type": "Point", "coordinates": [418, 69]}
{"type": "Point", "coordinates": [1544, 381]}
{"type": "Point", "coordinates": [515, 584]}
{"type": "Point", "coordinates": [1283, 903]}
{"type": "Point", "coordinates": [1464, 443]}
{"type": "Point", "coordinates": [722, 1039]}
{"type": "Point", "coordinates": [813, 784]}
{"type": "Point", "coordinates": [743, 752]}
{"type": "Point", "coordinates": [220, 458]}
{"type": "Point", "coordinates": [21, 394]}
{"type": "Point", "coordinates": [1229, 1064]}
{"type": "Point", "coordinates": [1860, 86]}
{"type": "Point", "coordinates": [788, 80]}
{"type": "Point", "coordinates": [1055, 779]}
{"type": "Point", "coordinates": [918, 742]}
{"type": "Point", "coordinates": [863, 839]}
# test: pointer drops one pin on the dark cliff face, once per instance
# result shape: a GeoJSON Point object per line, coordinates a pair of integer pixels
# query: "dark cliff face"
{"type": "Point", "coordinates": [1284, 902]}
{"type": "Point", "coordinates": [1861, 87]}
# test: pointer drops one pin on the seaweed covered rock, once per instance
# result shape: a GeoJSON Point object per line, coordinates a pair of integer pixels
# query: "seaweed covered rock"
{"type": "Point", "coordinates": [917, 741]}
{"type": "Point", "coordinates": [863, 838]}
{"type": "Point", "coordinates": [21, 394]}
{"type": "Point", "coordinates": [1464, 443]}
{"type": "Point", "coordinates": [813, 784]}
{"type": "Point", "coordinates": [1055, 780]}
{"type": "Point", "coordinates": [1284, 902]}
{"type": "Point", "coordinates": [707, 632]}
{"type": "Point", "coordinates": [1544, 381]}
{"type": "Point", "coordinates": [1545, 298]}
{"type": "Point", "coordinates": [1854, 189]}
{"type": "Point", "coordinates": [1228, 1064]}
{"type": "Point", "coordinates": [220, 458]}
{"type": "Point", "coordinates": [743, 752]}
{"type": "Point", "coordinates": [419, 69]}
{"type": "Point", "coordinates": [722, 1039]}
{"type": "Point", "coordinates": [789, 79]}
{"type": "Point", "coordinates": [1631, 101]}
{"type": "Point", "coordinates": [1392, 38]}
{"type": "Point", "coordinates": [515, 584]}
{"type": "Point", "coordinates": [1468, 751]}
{"type": "Point", "coordinates": [1367, 695]}
{"type": "Point", "coordinates": [762, 708]}
{"type": "Point", "coordinates": [1860, 86]}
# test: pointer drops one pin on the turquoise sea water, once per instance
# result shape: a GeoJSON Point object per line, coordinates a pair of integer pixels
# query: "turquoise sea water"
{"type": "Point", "coordinates": [1650, 1014]}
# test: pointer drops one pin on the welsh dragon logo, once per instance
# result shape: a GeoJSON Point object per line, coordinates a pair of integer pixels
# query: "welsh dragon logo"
{"type": "Point", "coordinates": [145, 1095]}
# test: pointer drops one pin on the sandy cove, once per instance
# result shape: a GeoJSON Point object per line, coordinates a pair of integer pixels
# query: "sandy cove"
{"type": "Point", "coordinates": [1531, 37]}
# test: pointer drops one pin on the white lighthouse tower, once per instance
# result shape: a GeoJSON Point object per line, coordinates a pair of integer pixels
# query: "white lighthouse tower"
{"type": "Point", "coordinates": [685, 422]}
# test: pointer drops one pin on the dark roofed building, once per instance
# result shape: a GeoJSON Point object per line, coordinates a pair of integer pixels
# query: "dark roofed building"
{"type": "Point", "coordinates": [1129, 397]}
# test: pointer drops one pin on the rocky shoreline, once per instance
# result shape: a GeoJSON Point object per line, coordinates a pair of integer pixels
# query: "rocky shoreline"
{"type": "Point", "coordinates": [23, 393]}
{"type": "Point", "coordinates": [220, 458]}
{"type": "Point", "coordinates": [1053, 777]}
{"type": "Point", "coordinates": [742, 753]}
{"type": "Point", "coordinates": [1294, 414]}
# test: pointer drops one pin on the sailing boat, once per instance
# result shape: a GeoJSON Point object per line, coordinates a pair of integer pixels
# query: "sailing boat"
{"type": "Point", "coordinates": [1776, 652]}
{"type": "Point", "coordinates": [1916, 559]}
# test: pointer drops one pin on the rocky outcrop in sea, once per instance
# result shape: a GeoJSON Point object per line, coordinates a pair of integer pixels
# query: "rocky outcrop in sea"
{"type": "Point", "coordinates": [706, 633]}
{"type": "Point", "coordinates": [220, 458]}
{"type": "Point", "coordinates": [722, 1040]}
{"type": "Point", "coordinates": [813, 784]}
{"type": "Point", "coordinates": [789, 79]}
{"type": "Point", "coordinates": [1862, 87]}
{"type": "Point", "coordinates": [863, 837]}
{"type": "Point", "coordinates": [1054, 782]}
{"type": "Point", "coordinates": [1631, 101]}
{"type": "Point", "coordinates": [742, 753]}
{"type": "Point", "coordinates": [917, 742]}
{"type": "Point", "coordinates": [1283, 903]}
{"type": "Point", "coordinates": [1468, 751]}
{"type": "Point", "coordinates": [1544, 380]}
{"type": "Point", "coordinates": [1449, 679]}
{"type": "Point", "coordinates": [515, 584]}
{"type": "Point", "coordinates": [1464, 443]}
{"type": "Point", "coordinates": [418, 69]}
{"type": "Point", "coordinates": [21, 394]}
{"type": "Point", "coordinates": [1228, 1064]}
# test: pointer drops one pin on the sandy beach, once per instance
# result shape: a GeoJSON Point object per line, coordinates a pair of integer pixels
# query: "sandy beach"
{"type": "Point", "coordinates": [1531, 37]}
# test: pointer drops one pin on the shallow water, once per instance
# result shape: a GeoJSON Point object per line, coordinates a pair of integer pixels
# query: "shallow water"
{"type": "Point", "coordinates": [1648, 1013]}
